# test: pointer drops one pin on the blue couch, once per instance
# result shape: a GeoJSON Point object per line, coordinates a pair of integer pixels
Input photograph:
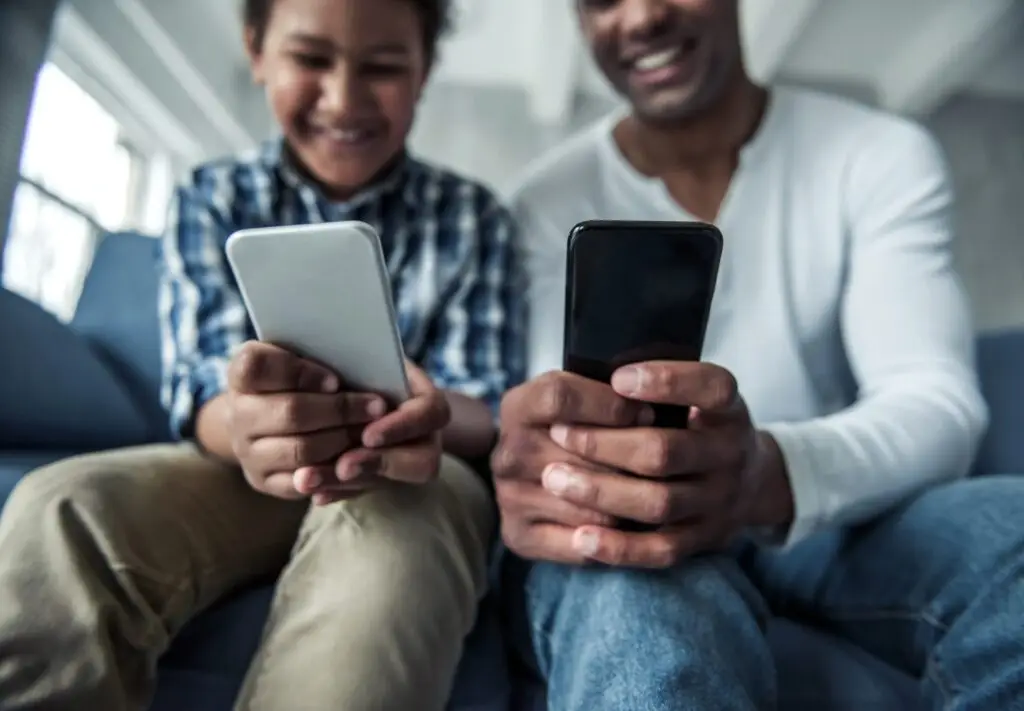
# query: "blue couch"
{"type": "Point", "coordinates": [92, 385]}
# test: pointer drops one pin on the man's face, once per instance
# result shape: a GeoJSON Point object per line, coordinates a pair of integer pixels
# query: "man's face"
{"type": "Point", "coordinates": [671, 58]}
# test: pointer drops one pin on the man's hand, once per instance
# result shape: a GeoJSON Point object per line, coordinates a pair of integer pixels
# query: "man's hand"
{"type": "Point", "coordinates": [402, 446]}
{"type": "Point", "coordinates": [288, 415]}
{"type": "Point", "coordinates": [535, 523]}
{"type": "Point", "coordinates": [700, 486]}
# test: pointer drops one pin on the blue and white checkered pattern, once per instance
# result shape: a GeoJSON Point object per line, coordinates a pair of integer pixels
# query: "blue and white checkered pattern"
{"type": "Point", "coordinates": [448, 243]}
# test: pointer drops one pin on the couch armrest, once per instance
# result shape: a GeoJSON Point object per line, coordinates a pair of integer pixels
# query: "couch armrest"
{"type": "Point", "coordinates": [55, 392]}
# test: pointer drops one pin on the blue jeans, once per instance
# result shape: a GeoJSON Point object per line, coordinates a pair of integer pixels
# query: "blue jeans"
{"type": "Point", "coordinates": [935, 588]}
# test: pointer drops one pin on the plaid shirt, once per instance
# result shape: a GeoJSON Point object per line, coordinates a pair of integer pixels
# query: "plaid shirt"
{"type": "Point", "coordinates": [447, 241]}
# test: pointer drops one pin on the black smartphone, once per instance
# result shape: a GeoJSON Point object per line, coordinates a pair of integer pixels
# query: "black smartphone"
{"type": "Point", "coordinates": [638, 291]}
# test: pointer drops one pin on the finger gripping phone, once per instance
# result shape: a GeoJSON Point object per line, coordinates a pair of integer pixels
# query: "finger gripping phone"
{"type": "Point", "coordinates": [636, 292]}
{"type": "Point", "coordinates": [322, 291]}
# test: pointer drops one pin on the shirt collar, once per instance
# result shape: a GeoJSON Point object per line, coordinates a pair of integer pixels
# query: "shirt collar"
{"type": "Point", "coordinates": [276, 157]}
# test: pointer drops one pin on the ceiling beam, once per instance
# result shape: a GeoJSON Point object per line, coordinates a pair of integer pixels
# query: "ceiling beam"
{"type": "Point", "coordinates": [953, 43]}
{"type": "Point", "coordinates": [79, 51]}
{"type": "Point", "coordinates": [554, 71]}
{"type": "Point", "coordinates": [769, 28]}
{"type": "Point", "coordinates": [188, 76]}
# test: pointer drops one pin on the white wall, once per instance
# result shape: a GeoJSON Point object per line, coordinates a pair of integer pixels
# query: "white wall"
{"type": "Point", "coordinates": [984, 143]}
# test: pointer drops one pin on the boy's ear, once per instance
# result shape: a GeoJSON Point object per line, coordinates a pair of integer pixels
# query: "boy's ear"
{"type": "Point", "coordinates": [254, 52]}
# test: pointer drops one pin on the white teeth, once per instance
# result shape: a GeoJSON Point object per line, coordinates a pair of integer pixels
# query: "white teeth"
{"type": "Point", "coordinates": [347, 136]}
{"type": "Point", "coordinates": [656, 60]}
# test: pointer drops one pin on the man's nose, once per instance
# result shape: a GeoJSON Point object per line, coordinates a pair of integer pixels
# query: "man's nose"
{"type": "Point", "coordinates": [640, 17]}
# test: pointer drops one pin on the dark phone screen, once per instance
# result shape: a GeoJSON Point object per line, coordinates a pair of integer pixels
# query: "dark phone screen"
{"type": "Point", "coordinates": [639, 292]}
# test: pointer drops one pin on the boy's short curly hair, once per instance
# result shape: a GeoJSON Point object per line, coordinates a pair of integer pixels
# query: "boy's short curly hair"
{"type": "Point", "coordinates": [435, 16]}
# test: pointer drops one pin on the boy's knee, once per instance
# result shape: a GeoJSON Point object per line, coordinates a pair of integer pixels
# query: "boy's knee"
{"type": "Point", "coordinates": [86, 482]}
{"type": "Point", "coordinates": [408, 538]}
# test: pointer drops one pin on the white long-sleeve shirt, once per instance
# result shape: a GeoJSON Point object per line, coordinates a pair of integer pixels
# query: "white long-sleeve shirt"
{"type": "Point", "coordinates": [837, 307]}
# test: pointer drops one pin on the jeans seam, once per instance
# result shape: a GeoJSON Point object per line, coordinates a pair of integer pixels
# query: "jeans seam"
{"type": "Point", "coordinates": [844, 614]}
{"type": "Point", "coordinates": [937, 674]}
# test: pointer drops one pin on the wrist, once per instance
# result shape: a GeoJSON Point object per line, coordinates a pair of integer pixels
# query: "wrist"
{"type": "Point", "coordinates": [773, 506]}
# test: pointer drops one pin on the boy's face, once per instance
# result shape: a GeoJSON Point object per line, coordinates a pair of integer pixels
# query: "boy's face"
{"type": "Point", "coordinates": [671, 58]}
{"type": "Point", "coordinates": [343, 78]}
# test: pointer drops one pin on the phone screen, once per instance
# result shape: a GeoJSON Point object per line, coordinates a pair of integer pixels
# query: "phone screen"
{"type": "Point", "coordinates": [638, 292]}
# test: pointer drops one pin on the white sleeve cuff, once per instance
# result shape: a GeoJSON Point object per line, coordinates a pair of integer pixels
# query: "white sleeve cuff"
{"type": "Point", "coordinates": [809, 512]}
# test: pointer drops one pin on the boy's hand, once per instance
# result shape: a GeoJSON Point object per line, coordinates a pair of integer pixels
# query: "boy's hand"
{"type": "Point", "coordinates": [287, 416]}
{"type": "Point", "coordinates": [402, 446]}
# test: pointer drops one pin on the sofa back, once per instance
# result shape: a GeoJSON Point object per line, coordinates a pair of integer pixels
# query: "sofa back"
{"type": "Point", "coordinates": [55, 391]}
{"type": "Point", "coordinates": [117, 315]}
{"type": "Point", "coordinates": [1001, 366]}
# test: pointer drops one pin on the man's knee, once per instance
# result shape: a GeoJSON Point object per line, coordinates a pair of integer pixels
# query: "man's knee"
{"type": "Point", "coordinates": [972, 524]}
{"type": "Point", "coordinates": [704, 593]}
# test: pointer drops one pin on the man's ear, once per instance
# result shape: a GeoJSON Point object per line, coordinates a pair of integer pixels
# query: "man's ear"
{"type": "Point", "coordinates": [254, 51]}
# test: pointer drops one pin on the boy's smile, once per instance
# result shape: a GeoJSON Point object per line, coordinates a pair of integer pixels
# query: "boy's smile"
{"type": "Point", "coordinates": [342, 78]}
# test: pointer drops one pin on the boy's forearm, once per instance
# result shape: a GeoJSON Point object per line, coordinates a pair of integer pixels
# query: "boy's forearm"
{"type": "Point", "coordinates": [470, 433]}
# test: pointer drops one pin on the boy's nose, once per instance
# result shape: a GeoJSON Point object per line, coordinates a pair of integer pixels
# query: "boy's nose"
{"type": "Point", "coordinates": [340, 90]}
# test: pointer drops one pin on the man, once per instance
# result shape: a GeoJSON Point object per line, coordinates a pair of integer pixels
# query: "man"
{"type": "Point", "coordinates": [828, 436]}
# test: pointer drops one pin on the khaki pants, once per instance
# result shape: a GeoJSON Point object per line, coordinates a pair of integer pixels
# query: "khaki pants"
{"type": "Point", "coordinates": [103, 559]}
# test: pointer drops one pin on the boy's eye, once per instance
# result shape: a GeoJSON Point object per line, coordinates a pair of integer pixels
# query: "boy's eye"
{"type": "Point", "coordinates": [382, 69]}
{"type": "Point", "coordinates": [312, 61]}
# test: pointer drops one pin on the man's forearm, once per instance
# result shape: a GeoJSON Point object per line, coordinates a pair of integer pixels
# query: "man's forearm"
{"type": "Point", "coordinates": [470, 433]}
{"type": "Point", "coordinates": [212, 430]}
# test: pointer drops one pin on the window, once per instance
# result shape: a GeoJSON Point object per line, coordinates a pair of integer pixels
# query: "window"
{"type": "Point", "coordinates": [80, 177]}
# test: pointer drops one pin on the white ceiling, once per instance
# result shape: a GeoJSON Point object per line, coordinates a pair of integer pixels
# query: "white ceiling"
{"type": "Point", "coordinates": [180, 63]}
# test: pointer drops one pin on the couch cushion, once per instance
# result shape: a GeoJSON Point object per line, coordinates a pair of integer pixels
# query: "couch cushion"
{"type": "Point", "coordinates": [117, 314]}
{"type": "Point", "coordinates": [55, 392]}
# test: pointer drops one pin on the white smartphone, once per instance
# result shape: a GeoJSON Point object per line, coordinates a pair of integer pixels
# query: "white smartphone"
{"type": "Point", "coordinates": [323, 292]}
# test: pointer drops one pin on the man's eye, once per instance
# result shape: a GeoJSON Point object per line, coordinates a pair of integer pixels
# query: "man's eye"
{"type": "Point", "coordinates": [597, 5]}
{"type": "Point", "coordinates": [312, 61]}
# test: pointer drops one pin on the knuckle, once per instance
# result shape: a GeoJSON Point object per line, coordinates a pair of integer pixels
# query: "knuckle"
{"type": "Point", "coordinates": [721, 389]}
{"type": "Point", "coordinates": [555, 397]}
{"type": "Point", "coordinates": [622, 411]}
{"type": "Point", "coordinates": [656, 453]}
{"type": "Point", "coordinates": [246, 363]}
{"type": "Point", "coordinates": [508, 410]}
{"type": "Point", "coordinates": [289, 412]}
{"type": "Point", "coordinates": [511, 454]}
{"type": "Point", "coordinates": [657, 506]}
{"type": "Point", "coordinates": [300, 451]}
{"type": "Point", "coordinates": [666, 553]}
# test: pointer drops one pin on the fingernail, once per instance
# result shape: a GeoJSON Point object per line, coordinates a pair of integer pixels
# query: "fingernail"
{"type": "Point", "coordinates": [311, 477]}
{"type": "Point", "coordinates": [586, 542]}
{"type": "Point", "coordinates": [628, 380]}
{"type": "Point", "coordinates": [330, 384]}
{"type": "Point", "coordinates": [560, 482]}
{"type": "Point", "coordinates": [376, 408]}
{"type": "Point", "coordinates": [560, 434]}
